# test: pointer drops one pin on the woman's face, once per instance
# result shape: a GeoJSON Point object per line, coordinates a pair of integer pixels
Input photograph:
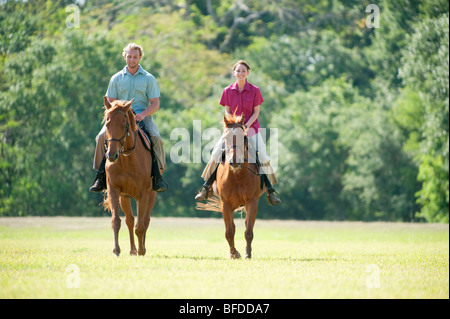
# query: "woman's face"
{"type": "Point", "coordinates": [241, 72]}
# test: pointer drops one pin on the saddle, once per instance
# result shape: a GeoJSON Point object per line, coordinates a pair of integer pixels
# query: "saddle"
{"type": "Point", "coordinates": [145, 139]}
{"type": "Point", "coordinates": [258, 167]}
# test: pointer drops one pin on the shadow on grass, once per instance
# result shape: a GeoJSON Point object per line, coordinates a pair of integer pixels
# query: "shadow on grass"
{"type": "Point", "coordinates": [264, 258]}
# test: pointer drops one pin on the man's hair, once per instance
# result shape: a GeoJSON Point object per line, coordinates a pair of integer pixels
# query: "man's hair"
{"type": "Point", "coordinates": [133, 46]}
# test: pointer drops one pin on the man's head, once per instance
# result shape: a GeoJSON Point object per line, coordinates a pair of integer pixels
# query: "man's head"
{"type": "Point", "coordinates": [133, 54]}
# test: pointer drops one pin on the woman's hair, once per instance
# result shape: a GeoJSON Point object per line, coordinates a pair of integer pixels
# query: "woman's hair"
{"type": "Point", "coordinates": [243, 63]}
{"type": "Point", "coordinates": [133, 46]}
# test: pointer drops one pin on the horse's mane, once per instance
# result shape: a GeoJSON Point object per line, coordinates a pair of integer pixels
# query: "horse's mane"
{"type": "Point", "coordinates": [119, 105]}
{"type": "Point", "coordinates": [233, 119]}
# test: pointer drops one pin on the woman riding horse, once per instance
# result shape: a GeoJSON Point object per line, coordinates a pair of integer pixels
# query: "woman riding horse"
{"type": "Point", "coordinates": [242, 97]}
{"type": "Point", "coordinates": [237, 184]}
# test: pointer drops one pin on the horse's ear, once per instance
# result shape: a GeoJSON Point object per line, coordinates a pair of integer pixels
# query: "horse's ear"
{"type": "Point", "coordinates": [242, 121]}
{"type": "Point", "coordinates": [225, 122]}
{"type": "Point", "coordinates": [106, 103]}
{"type": "Point", "coordinates": [127, 105]}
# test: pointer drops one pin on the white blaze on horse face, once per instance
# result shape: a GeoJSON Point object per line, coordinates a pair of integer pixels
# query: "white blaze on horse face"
{"type": "Point", "coordinates": [234, 146]}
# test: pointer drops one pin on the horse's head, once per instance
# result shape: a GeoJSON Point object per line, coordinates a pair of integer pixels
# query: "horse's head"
{"type": "Point", "coordinates": [235, 136]}
{"type": "Point", "coordinates": [119, 121]}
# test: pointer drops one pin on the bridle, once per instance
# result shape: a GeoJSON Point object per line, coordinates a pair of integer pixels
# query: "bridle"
{"type": "Point", "coordinates": [123, 138]}
{"type": "Point", "coordinates": [239, 125]}
{"type": "Point", "coordinates": [234, 146]}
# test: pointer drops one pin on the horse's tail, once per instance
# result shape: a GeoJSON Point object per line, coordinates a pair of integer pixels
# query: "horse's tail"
{"type": "Point", "coordinates": [212, 204]}
{"type": "Point", "coordinates": [106, 202]}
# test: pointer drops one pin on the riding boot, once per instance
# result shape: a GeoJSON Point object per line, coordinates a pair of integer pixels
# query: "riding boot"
{"type": "Point", "coordinates": [100, 179]}
{"type": "Point", "coordinates": [159, 184]}
{"type": "Point", "coordinates": [203, 193]}
{"type": "Point", "coordinates": [273, 198]}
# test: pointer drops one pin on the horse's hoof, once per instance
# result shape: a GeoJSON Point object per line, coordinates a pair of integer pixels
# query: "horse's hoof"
{"type": "Point", "coordinates": [235, 255]}
{"type": "Point", "coordinates": [248, 257]}
{"type": "Point", "coordinates": [133, 252]}
{"type": "Point", "coordinates": [116, 251]}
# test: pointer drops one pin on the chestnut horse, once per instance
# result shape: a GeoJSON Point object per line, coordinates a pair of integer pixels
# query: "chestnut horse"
{"type": "Point", "coordinates": [237, 184]}
{"type": "Point", "coordinates": [128, 174]}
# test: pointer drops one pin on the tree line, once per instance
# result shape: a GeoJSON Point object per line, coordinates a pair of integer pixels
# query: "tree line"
{"type": "Point", "coordinates": [361, 111]}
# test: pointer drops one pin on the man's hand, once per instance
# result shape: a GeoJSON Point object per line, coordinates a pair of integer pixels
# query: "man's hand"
{"type": "Point", "coordinates": [139, 117]}
{"type": "Point", "coordinates": [152, 108]}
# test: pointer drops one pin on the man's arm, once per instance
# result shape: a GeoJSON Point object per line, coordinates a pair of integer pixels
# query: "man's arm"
{"type": "Point", "coordinates": [151, 109]}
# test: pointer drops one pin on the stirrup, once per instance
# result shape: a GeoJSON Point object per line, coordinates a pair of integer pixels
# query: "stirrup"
{"type": "Point", "coordinates": [159, 184]}
{"type": "Point", "coordinates": [273, 201]}
{"type": "Point", "coordinates": [203, 193]}
{"type": "Point", "coordinates": [99, 184]}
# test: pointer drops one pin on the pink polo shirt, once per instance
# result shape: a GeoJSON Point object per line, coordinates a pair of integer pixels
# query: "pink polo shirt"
{"type": "Point", "coordinates": [243, 102]}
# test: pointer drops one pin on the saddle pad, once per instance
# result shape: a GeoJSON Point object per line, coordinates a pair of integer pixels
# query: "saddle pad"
{"type": "Point", "coordinates": [145, 139]}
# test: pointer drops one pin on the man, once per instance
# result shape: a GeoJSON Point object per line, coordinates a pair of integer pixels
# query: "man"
{"type": "Point", "coordinates": [133, 82]}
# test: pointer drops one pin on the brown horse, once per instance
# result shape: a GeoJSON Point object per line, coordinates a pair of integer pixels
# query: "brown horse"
{"type": "Point", "coordinates": [128, 174]}
{"type": "Point", "coordinates": [237, 184]}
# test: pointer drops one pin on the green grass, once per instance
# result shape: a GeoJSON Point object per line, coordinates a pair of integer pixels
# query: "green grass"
{"type": "Point", "coordinates": [188, 258]}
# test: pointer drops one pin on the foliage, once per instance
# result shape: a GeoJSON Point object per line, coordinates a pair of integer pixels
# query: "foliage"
{"type": "Point", "coordinates": [362, 114]}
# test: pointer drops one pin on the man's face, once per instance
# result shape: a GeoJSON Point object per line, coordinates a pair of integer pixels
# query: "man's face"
{"type": "Point", "coordinates": [132, 58]}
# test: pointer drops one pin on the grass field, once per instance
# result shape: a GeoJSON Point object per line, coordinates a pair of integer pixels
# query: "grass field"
{"type": "Point", "coordinates": [188, 258]}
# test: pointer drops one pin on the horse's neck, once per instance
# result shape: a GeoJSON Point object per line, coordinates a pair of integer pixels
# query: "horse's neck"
{"type": "Point", "coordinates": [130, 139]}
{"type": "Point", "coordinates": [130, 145]}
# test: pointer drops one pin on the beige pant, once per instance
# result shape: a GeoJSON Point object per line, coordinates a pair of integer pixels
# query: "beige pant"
{"type": "Point", "coordinates": [256, 144]}
{"type": "Point", "coordinates": [157, 143]}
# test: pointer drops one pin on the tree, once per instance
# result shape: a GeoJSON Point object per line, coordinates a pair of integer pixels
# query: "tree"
{"type": "Point", "coordinates": [51, 120]}
{"type": "Point", "coordinates": [426, 69]}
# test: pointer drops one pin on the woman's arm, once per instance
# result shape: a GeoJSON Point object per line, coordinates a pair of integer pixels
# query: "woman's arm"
{"type": "Point", "coordinates": [254, 116]}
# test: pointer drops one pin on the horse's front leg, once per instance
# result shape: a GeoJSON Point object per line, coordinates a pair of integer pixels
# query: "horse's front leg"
{"type": "Point", "coordinates": [115, 221]}
{"type": "Point", "coordinates": [125, 203]}
{"type": "Point", "coordinates": [144, 208]}
{"type": "Point", "coordinates": [251, 208]}
{"type": "Point", "coordinates": [230, 229]}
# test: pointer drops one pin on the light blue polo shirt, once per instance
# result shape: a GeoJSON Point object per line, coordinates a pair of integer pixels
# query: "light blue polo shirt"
{"type": "Point", "coordinates": [141, 86]}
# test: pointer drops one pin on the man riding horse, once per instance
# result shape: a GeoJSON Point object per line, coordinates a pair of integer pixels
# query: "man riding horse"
{"type": "Point", "coordinates": [133, 82]}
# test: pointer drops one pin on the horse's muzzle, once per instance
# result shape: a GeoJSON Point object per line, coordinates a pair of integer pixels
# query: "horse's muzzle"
{"type": "Point", "coordinates": [112, 157]}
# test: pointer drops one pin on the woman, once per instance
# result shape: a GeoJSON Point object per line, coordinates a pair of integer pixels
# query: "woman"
{"type": "Point", "coordinates": [242, 97]}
